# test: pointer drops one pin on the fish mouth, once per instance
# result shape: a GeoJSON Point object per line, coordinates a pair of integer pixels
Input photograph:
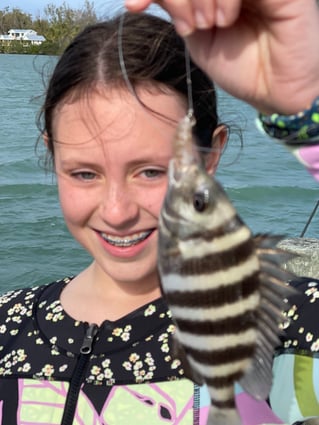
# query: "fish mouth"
{"type": "Point", "coordinates": [126, 241]}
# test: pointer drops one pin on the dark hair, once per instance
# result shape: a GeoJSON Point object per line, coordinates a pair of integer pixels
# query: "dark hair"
{"type": "Point", "coordinates": [152, 52]}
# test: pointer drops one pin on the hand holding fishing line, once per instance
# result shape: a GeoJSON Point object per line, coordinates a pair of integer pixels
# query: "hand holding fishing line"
{"type": "Point", "coordinates": [261, 52]}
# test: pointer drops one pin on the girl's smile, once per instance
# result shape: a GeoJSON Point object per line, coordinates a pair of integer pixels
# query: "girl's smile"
{"type": "Point", "coordinates": [127, 241]}
{"type": "Point", "coordinates": [128, 246]}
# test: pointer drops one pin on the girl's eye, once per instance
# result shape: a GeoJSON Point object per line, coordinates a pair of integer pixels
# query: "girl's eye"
{"type": "Point", "coordinates": [153, 173]}
{"type": "Point", "coordinates": [84, 175]}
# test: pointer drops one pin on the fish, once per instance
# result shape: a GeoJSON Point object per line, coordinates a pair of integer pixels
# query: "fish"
{"type": "Point", "coordinates": [225, 287]}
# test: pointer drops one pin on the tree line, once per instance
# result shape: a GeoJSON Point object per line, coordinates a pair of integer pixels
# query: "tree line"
{"type": "Point", "coordinates": [58, 25]}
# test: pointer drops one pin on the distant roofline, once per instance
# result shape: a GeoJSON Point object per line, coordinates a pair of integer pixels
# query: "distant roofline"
{"type": "Point", "coordinates": [21, 30]}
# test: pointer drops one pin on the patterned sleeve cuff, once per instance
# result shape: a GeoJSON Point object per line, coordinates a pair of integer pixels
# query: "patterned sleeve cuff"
{"type": "Point", "coordinates": [297, 129]}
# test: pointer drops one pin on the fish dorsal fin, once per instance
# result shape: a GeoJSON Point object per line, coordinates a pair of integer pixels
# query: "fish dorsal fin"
{"type": "Point", "coordinates": [274, 290]}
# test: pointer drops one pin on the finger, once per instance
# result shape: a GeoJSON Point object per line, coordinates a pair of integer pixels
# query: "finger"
{"type": "Point", "coordinates": [180, 11]}
{"type": "Point", "coordinates": [182, 14]}
{"type": "Point", "coordinates": [227, 12]}
{"type": "Point", "coordinates": [205, 14]}
{"type": "Point", "coordinates": [137, 5]}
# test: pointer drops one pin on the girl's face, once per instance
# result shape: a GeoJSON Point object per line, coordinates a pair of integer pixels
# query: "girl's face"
{"type": "Point", "coordinates": [111, 159]}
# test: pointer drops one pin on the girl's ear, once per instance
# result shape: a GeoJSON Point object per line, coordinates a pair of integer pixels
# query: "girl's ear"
{"type": "Point", "coordinates": [45, 139]}
{"type": "Point", "coordinates": [219, 139]}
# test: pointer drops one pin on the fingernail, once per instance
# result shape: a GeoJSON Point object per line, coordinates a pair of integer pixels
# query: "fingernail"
{"type": "Point", "coordinates": [130, 3]}
{"type": "Point", "coordinates": [201, 21]}
{"type": "Point", "coordinates": [183, 28]}
{"type": "Point", "coordinates": [220, 17]}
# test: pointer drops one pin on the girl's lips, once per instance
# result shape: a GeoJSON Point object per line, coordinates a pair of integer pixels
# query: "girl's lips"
{"type": "Point", "coordinates": [128, 246]}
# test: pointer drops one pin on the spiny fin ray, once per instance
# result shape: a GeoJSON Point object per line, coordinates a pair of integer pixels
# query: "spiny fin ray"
{"type": "Point", "coordinates": [274, 292]}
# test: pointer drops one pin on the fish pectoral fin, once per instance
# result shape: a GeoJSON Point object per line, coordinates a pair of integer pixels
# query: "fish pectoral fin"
{"type": "Point", "coordinates": [178, 352]}
{"type": "Point", "coordinates": [274, 291]}
{"type": "Point", "coordinates": [257, 379]}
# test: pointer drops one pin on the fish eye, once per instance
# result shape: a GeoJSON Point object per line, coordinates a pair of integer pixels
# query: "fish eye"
{"type": "Point", "coordinates": [200, 200]}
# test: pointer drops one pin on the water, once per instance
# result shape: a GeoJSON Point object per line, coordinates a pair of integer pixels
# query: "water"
{"type": "Point", "coordinates": [270, 189]}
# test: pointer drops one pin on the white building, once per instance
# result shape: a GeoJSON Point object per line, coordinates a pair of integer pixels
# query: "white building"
{"type": "Point", "coordinates": [24, 35]}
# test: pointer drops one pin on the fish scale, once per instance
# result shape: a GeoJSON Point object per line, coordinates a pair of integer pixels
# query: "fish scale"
{"type": "Point", "coordinates": [224, 286]}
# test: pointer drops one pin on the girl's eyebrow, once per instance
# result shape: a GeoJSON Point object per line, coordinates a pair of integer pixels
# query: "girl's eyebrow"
{"type": "Point", "coordinates": [154, 158]}
{"type": "Point", "coordinates": [74, 163]}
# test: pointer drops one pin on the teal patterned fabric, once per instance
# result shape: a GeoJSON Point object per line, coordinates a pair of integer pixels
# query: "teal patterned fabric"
{"type": "Point", "coordinates": [298, 128]}
{"type": "Point", "coordinates": [295, 390]}
{"type": "Point", "coordinates": [299, 133]}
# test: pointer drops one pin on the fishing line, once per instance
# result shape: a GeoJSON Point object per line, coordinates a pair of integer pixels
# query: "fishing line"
{"type": "Point", "coordinates": [189, 83]}
{"type": "Point", "coordinates": [125, 76]}
{"type": "Point", "coordinates": [122, 60]}
{"type": "Point", "coordinates": [131, 88]}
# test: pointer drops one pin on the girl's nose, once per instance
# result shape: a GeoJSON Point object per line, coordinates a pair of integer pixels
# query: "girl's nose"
{"type": "Point", "coordinates": [119, 206]}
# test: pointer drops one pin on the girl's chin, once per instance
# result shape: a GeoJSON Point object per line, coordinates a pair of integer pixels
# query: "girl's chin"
{"type": "Point", "coordinates": [134, 274]}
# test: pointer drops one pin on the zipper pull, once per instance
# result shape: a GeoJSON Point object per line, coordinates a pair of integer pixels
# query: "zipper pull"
{"type": "Point", "coordinates": [86, 347]}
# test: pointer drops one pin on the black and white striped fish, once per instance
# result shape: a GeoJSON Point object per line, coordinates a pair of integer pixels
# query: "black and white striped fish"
{"type": "Point", "coordinates": [225, 288]}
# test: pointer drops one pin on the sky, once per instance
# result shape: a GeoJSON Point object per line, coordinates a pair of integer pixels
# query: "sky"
{"type": "Point", "coordinates": [36, 7]}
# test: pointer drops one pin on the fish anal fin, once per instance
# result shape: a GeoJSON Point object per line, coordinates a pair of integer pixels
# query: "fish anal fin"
{"type": "Point", "coordinates": [257, 379]}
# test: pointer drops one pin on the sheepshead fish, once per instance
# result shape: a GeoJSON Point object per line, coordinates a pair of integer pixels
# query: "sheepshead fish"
{"type": "Point", "coordinates": [224, 287]}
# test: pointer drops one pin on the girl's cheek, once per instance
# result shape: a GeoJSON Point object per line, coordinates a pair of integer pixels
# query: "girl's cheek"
{"type": "Point", "coordinates": [72, 201]}
{"type": "Point", "coordinates": [155, 202]}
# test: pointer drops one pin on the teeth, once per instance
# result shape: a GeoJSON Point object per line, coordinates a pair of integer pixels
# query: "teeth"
{"type": "Point", "coordinates": [128, 240]}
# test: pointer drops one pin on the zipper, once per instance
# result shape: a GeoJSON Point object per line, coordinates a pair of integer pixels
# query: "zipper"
{"type": "Point", "coordinates": [77, 377]}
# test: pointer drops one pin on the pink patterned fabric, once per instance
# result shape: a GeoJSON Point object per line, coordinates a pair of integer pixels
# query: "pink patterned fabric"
{"type": "Point", "coordinates": [309, 157]}
{"type": "Point", "coordinates": [253, 412]}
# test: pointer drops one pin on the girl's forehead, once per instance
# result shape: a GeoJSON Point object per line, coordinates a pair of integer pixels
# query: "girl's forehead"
{"type": "Point", "coordinates": [149, 95]}
{"type": "Point", "coordinates": [108, 123]}
{"type": "Point", "coordinates": [116, 110]}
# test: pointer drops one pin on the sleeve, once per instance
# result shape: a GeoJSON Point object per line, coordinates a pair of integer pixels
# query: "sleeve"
{"type": "Point", "coordinates": [298, 132]}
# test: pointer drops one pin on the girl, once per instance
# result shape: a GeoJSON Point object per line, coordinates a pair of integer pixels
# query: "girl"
{"type": "Point", "coordinates": [96, 348]}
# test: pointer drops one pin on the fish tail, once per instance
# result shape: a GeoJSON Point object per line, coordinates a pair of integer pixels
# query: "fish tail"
{"type": "Point", "coordinates": [219, 416]}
